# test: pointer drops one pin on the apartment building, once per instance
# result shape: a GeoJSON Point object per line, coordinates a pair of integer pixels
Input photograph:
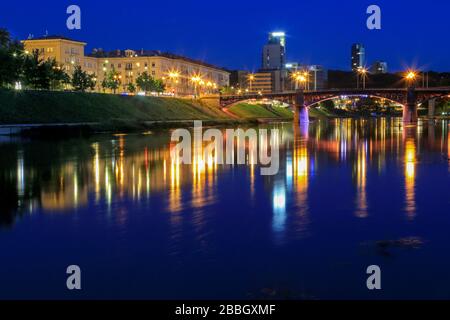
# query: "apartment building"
{"type": "Point", "coordinates": [181, 75]}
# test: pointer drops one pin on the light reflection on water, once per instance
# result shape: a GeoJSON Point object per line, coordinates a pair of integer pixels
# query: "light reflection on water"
{"type": "Point", "coordinates": [133, 175]}
{"type": "Point", "coordinates": [137, 171]}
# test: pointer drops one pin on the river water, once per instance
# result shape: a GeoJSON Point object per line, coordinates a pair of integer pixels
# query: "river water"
{"type": "Point", "coordinates": [349, 194]}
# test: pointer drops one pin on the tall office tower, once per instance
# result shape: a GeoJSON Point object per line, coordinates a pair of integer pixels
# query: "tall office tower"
{"type": "Point", "coordinates": [274, 52]}
{"type": "Point", "coordinates": [358, 56]}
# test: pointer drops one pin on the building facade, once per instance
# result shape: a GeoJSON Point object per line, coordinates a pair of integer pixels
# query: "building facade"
{"type": "Point", "coordinates": [358, 56]}
{"type": "Point", "coordinates": [240, 79]}
{"type": "Point", "coordinates": [181, 76]}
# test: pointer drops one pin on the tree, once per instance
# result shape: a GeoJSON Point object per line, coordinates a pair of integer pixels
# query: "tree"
{"type": "Point", "coordinates": [112, 80]}
{"type": "Point", "coordinates": [40, 74]}
{"type": "Point", "coordinates": [33, 71]}
{"type": "Point", "coordinates": [81, 80]}
{"type": "Point", "coordinates": [11, 59]}
{"type": "Point", "coordinates": [131, 87]}
{"type": "Point", "coordinates": [148, 84]}
{"type": "Point", "coordinates": [158, 86]}
{"type": "Point", "coordinates": [58, 77]}
{"type": "Point", "coordinates": [227, 90]}
{"type": "Point", "coordinates": [144, 82]}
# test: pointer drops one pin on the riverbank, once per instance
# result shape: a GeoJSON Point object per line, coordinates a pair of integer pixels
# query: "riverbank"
{"type": "Point", "coordinates": [50, 113]}
{"type": "Point", "coordinates": [75, 113]}
{"type": "Point", "coordinates": [49, 107]}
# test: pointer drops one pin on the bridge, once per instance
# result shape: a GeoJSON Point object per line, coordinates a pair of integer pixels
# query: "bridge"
{"type": "Point", "coordinates": [302, 100]}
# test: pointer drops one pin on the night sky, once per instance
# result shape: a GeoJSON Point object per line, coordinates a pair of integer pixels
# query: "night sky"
{"type": "Point", "coordinates": [414, 33]}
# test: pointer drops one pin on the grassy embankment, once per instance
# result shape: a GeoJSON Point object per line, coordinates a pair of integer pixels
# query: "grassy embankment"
{"type": "Point", "coordinates": [103, 111]}
{"type": "Point", "coordinates": [260, 111]}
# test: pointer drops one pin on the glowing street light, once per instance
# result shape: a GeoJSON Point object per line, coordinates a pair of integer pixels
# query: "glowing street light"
{"type": "Point", "coordinates": [410, 77]}
{"type": "Point", "coordinates": [299, 78]}
{"type": "Point", "coordinates": [251, 78]}
{"type": "Point", "coordinates": [363, 73]}
{"type": "Point", "coordinates": [174, 74]}
{"type": "Point", "coordinates": [196, 80]}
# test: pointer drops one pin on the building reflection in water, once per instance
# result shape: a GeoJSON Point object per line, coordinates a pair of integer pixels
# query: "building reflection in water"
{"type": "Point", "coordinates": [301, 168]}
{"type": "Point", "coordinates": [110, 171]}
{"type": "Point", "coordinates": [361, 181]}
{"type": "Point", "coordinates": [279, 211]}
{"type": "Point", "coordinates": [410, 171]}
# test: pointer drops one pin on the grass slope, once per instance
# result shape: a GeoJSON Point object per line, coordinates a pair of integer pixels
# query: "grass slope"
{"type": "Point", "coordinates": [255, 111]}
{"type": "Point", "coordinates": [25, 107]}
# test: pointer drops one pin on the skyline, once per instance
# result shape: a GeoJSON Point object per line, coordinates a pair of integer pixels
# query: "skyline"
{"type": "Point", "coordinates": [208, 36]}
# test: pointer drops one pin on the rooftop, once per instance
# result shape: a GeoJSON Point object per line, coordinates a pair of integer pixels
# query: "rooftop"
{"type": "Point", "coordinates": [53, 37]}
{"type": "Point", "coordinates": [99, 53]}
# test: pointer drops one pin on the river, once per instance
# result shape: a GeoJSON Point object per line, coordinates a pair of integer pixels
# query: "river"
{"type": "Point", "coordinates": [349, 194]}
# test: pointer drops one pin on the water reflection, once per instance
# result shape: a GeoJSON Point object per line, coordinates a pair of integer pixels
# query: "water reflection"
{"type": "Point", "coordinates": [59, 177]}
{"type": "Point", "coordinates": [410, 173]}
{"type": "Point", "coordinates": [361, 180]}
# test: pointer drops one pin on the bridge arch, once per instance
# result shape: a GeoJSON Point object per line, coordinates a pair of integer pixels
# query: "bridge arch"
{"type": "Point", "coordinates": [302, 100]}
{"type": "Point", "coordinates": [309, 105]}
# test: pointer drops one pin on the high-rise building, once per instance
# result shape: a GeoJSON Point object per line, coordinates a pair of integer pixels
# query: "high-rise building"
{"type": "Point", "coordinates": [358, 56]}
{"type": "Point", "coordinates": [379, 67]}
{"type": "Point", "coordinates": [274, 52]}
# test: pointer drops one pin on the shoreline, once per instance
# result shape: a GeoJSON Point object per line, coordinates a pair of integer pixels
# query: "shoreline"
{"type": "Point", "coordinates": [64, 130]}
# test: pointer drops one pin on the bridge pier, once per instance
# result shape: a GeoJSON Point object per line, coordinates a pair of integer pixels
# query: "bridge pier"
{"type": "Point", "coordinates": [301, 110]}
{"type": "Point", "coordinates": [410, 108]}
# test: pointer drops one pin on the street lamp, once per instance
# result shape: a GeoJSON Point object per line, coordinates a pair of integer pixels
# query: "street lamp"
{"type": "Point", "coordinates": [306, 79]}
{"type": "Point", "coordinates": [173, 76]}
{"type": "Point", "coordinates": [299, 78]}
{"type": "Point", "coordinates": [410, 77]}
{"type": "Point", "coordinates": [363, 73]}
{"type": "Point", "coordinates": [251, 78]}
{"type": "Point", "coordinates": [196, 79]}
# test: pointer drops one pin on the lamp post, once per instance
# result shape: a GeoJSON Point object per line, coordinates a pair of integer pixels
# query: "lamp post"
{"type": "Point", "coordinates": [306, 80]}
{"type": "Point", "coordinates": [195, 80]}
{"type": "Point", "coordinates": [173, 76]}
{"type": "Point", "coordinates": [410, 78]}
{"type": "Point", "coordinates": [251, 78]}
{"type": "Point", "coordinates": [362, 72]}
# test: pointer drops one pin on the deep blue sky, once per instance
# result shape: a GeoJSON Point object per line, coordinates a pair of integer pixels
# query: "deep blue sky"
{"type": "Point", "coordinates": [231, 33]}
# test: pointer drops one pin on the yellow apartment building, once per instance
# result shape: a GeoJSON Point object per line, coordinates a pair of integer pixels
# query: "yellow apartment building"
{"type": "Point", "coordinates": [182, 76]}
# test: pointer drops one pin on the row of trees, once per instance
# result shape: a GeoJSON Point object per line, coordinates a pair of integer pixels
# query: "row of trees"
{"type": "Point", "coordinates": [144, 82]}
{"type": "Point", "coordinates": [33, 72]}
